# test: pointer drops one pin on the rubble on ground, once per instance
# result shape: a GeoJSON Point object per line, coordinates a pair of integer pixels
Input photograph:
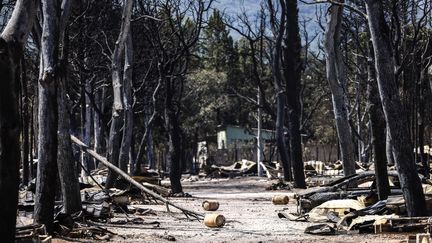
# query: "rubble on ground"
{"type": "Point", "coordinates": [280, 185]}
{"type": "Point", "coordinates": [351, 204]}
{"type": "Point", "coordinates": [238, 168]}
{"type": "Point", "coordinates": [333, 204]}
{"type": "Point", "coordinates": [100, 208]}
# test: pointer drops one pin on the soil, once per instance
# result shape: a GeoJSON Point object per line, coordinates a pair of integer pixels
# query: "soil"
{"type": "Point", "coordinates": [247, 207]}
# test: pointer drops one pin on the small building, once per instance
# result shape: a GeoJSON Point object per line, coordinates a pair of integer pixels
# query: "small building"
{"type": "Point", "coordinates": [230, 136]}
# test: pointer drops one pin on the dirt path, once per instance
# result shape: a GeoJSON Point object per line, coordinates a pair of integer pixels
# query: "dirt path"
{"type": "Point", "coordinates": [251, 217]}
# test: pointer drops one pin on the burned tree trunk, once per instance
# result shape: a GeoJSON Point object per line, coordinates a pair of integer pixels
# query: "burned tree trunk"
{"type": "Point", "coordinates": [25, 136]}
{"type": "Point", "coordinates": [396, 121]}
{"type": "Point", "coordinates": [174, 142]}
{"type": "Point", "coordinates": [389, 148]}
{"type": "Point", "coordinates": [99, 124]}
{"type": "Point", "coordinates": [281, 95]}
{"type": "Point", "coordinates": [421, 121]}
{"type": "Point", "coordinates": [376, 117]}
{"type": "Point", "coordinates": [88, 161]}
{"type": "Point", "coordinates": [9, 139]}
{"type": "Point", "coordinates": [66, 164]}
{"type": "Point", "coordinates": [336, 78]}
{"type": "Point", "coordinates": [55, 148]}
{"type": "Point", "coordinates": [47, 118]}
{"type": "Point", "coordinates": [292, 74]}
{"type": "Point", "coordinates": [33, 146]}
{"type": "Point", "coordinates": [114, 142]}
{"type": "Point", "coordinates": [12, 40]}
{"type": "Point", "coordinates": [280, 135]}
{"type": "Point", "coordinates": [149, 147]}
{"type": "Point", "coordinates": [128, 102]}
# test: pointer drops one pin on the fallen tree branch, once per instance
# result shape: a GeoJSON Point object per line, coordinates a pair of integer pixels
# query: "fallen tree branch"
{"type": "Point", "coordinates": [115, 169]}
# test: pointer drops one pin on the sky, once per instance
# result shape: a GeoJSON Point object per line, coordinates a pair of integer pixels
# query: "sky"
{"type": "Point", "coordinates": [234, 7]}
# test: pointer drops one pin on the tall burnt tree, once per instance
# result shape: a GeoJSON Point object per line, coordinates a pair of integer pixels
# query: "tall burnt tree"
{"type": "Point", "coordinates": [278, 33]}
{"type": "Point", "coordinates": [128, 102]}
{"type": "Point", "coordinates": [292, 74]}
{"type": "Point", "coordinates": [392, 106]}
{"type": "Point", "coordinates": [25, 100]}
{"type": "Point", "coordinates": [67, 168]}
{"type": "Point", "coordinates": [174, 58]}
{"type": "Point", "coordinates": [54, 144]}
{"type": "Point", "coordinates": [12, 41]}
{"type": "Point", "coordinates": [115, 137]}
{"type": "Point", "coordinates": [337, 80]}
{"type": "Point", "coordinates": [46, 181]}
{"type": "Point", "coordinates": [376, 117]}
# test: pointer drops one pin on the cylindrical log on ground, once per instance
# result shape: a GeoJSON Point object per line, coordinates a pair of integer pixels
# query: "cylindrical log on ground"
{"type": "Point", "coordinates": [214, 220]}
{"type": "Point", "coordinates": [210, 205]}
{"type": "Point", "coordinates": [280, 199]}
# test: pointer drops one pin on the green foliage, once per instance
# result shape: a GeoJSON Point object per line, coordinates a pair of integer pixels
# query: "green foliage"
{"type": "Point", "coordinates": [218, 48]}
{"type": "Point", "coordinates": [218, 71]}
{"type": "Point", "coordinates": [204, 100]}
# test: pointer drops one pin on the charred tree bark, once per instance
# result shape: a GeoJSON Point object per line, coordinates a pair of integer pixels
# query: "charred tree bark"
{"type": "Point", "coordinates": [47, 117]}
{"type": "Point", "coordinates": [128, 102]}
{"type": "Point", "coordinates": [100, 127]}
{"type": "Point", "coordinates": [336, 78]}
{"type": "Point", "coordinates": [66, 164]}
{"type": "Point", "coordinates": [98, 136]}
{"type": "Point", "coordinates": [82, 105]}
{"type": "Point", "coordinates": [114, 141]}
{"type": "Point", "coordinates": [47, 151]}
{"type": "Point", "coordinates": [32, 138]}
{"type": "Point", "coordinates": [25, 136]}
{"type": "Point", "coordinates": [12, 41]}
{"type": "Point", "coordinates": [293, 69]}
{"type": "Point", "coordinates": [421, 121]}
{"type": "Point", "coordinates": [392, 106]}
{"type": "Point", "coordinates": [9, 139]}
{"type": "Point", "coordinates": [87, 123]}
{"type": "Point", "coordinates": [389, 148]}
{"type": "Point", "coordinates": [377, 121]}
{"type": "Point", "coordinates": [149, 147]}
{"type": "Point", "coordinates": [114, 144]}
{"type": "Point", "coordinates": [281, 95]}
{"type": "Point", "coordinates": [174, 146]}
{"type": "Point", "coordinates": [54, 127]}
